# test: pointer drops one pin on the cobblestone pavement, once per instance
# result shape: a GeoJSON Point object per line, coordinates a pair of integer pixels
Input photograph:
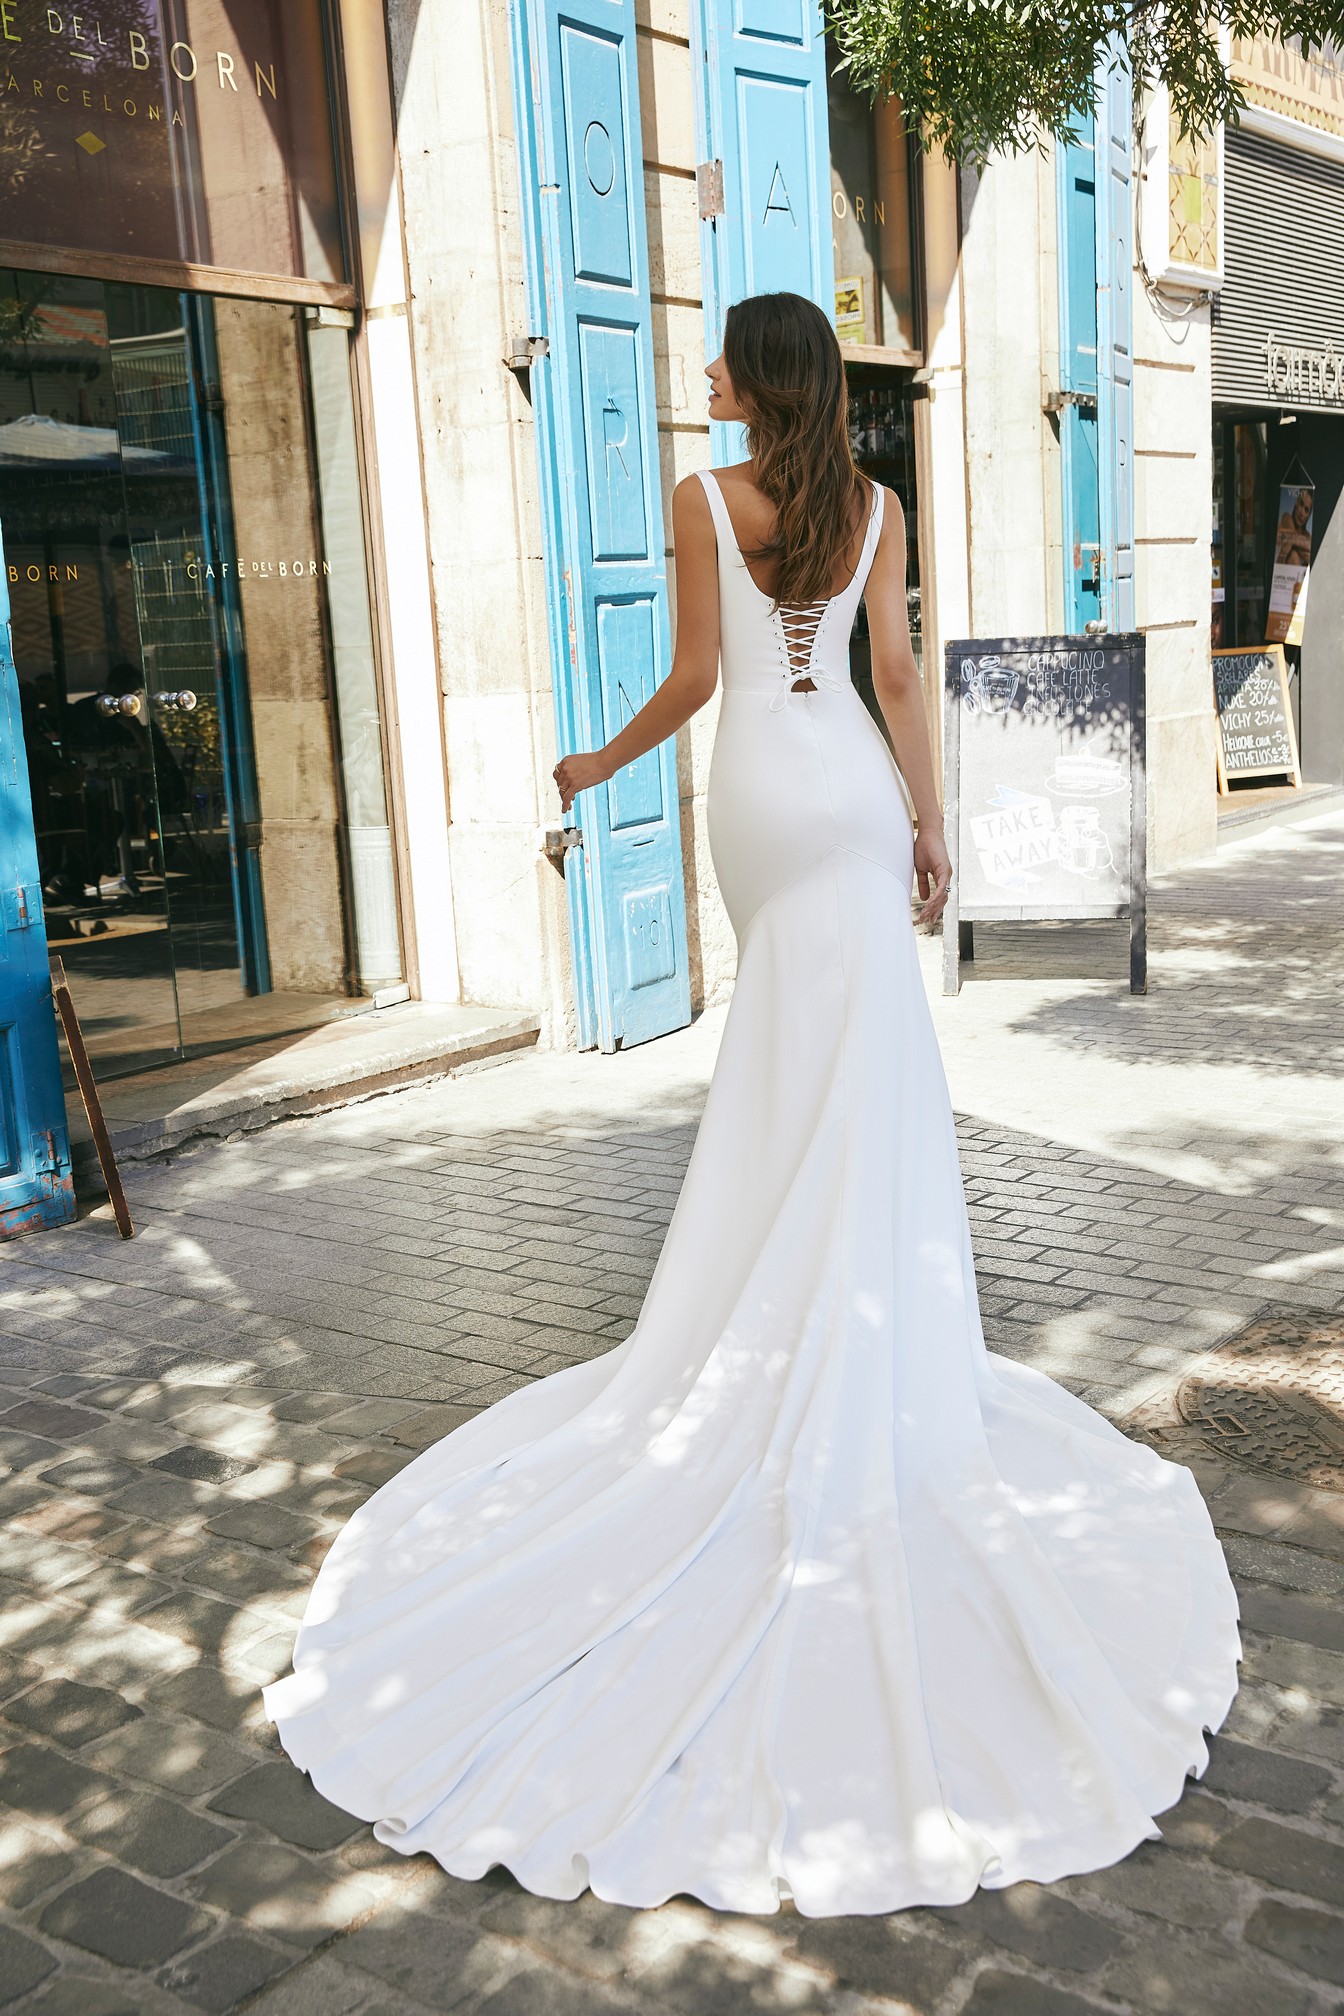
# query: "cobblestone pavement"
{"type": "Point", "coordinates": [187, 1420]}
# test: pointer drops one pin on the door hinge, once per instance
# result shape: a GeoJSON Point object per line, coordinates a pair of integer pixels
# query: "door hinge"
{"type": "Point", "coordinates": [22, 906]}
{"type": "Point", "coordinates": [709, 189]}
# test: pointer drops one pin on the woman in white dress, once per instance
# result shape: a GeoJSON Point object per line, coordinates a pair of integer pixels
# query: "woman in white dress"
{"type": "Point", "coordinates": [798, 1592]}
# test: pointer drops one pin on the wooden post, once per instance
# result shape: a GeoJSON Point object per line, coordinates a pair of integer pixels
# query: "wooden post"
{"type": "Point", "coordinates": [88, 1090]}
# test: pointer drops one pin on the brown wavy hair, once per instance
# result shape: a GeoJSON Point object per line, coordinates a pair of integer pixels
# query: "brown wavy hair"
{"type": "Point", "coordinates": [789, 377]}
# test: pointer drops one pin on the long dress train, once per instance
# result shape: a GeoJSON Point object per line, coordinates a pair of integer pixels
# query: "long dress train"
{"type": "Point", "coordinates": [799, 1591]}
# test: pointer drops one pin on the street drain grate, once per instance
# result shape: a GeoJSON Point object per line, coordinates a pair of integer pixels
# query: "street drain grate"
{"type": "Point", "coordinates": [1273, 1396]}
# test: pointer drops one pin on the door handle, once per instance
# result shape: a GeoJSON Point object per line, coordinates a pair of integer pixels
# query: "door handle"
{"type": "Point", "coordinates": [118, 703]}
{"type": "Point", "coordinates": [181, 703]}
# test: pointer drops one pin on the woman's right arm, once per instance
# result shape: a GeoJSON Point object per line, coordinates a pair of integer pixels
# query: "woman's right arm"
{"type": "Point", "coordinates": [695, 660]}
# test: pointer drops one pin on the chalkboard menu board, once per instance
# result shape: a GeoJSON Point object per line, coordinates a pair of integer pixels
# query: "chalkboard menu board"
{"type": "Point", "coordinates": [1043, 754]}
{"type": "Point", "coordinates": [1254, 715]}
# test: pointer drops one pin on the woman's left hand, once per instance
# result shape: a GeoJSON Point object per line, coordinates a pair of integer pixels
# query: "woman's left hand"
{"type": "Point", "coordinates": [933, 870]}
{"type": "Point", "coordinates": [573, 774]}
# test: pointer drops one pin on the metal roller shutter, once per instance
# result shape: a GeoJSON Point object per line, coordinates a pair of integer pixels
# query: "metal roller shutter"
{"type": "Point", "coordinates": [1284, 253]}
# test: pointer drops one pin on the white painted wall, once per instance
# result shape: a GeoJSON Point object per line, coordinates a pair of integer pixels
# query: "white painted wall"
{"type": "Point", "coordinates": [1011, 323]}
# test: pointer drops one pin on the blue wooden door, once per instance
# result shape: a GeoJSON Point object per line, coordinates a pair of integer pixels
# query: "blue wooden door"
{"type": "Point", "coordinates": [1115, 341]}
{"type": "Point", "coordinates": [35, 1183]}
{"type": "Point", "coordinates": [1097, 361]}
{"type": "Point", "coordinates": [761, 116]}
{"type": "Point", "coordinates": [577, 96]}
{"type": "Point", "coordinates": [1079, 469]}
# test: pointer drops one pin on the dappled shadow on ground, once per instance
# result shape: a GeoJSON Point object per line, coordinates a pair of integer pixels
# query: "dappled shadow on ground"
{"type": "Point", "coordinates": [1246, 957]}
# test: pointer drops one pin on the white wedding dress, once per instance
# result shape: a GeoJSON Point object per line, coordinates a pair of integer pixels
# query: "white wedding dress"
{"type": "Point", "coordinates": [798, 1591]}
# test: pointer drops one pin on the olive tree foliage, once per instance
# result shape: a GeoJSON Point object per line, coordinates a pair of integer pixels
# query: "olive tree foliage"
{"type": "Point", "coordinates": [979, 77]}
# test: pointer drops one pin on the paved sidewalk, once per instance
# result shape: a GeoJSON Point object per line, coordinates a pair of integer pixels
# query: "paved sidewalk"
{"type": "Point", "coordinates": [188, 1420]}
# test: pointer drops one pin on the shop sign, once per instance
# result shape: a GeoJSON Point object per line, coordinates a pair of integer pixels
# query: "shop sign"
{"type": "Point", "coordinates": [1279, 78]}
{"type": "Point", "coordinates": [1299, 371]}
{"type": "Point", "coordinates": [128, 128]}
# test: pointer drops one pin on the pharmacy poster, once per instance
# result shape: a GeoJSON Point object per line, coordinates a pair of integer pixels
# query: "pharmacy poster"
{"type": "Point", "coordinates": [1292, 564]}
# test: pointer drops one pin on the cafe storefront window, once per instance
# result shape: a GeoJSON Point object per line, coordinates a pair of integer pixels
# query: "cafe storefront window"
{"type": "Point", "coordinates": [184, 527]}
{"type": "Point", "coordinates": [875, 217]}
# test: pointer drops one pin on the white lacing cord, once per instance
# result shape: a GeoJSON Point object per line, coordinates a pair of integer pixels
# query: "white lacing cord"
{"type": "Point", "coordinates": [799, 624]}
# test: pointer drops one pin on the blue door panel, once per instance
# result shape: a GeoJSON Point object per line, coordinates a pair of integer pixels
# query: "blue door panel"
{"type": "Point", "coordinates": [650, 943]}
{"type": "Point", "coordinates": [777, 186]}
{"type": "Point", "coordinates": [627, 652]}
{"type": "Point", "coordinates": [1115, 352]}
{"type": "Point", "coordinates": [1079, 466]}
{"type": "Point", "coordinates": [1097, 360]}
{"type": "Point", "coordinates": [35, 1182]}
{"type": "Point", "coordinates": [773, 20]}
{"type": "Point", "coordinates": [761, 111]}
{"type": "Point", "coordinates": [595, 143]}
{"type": "Point", "coordinates": [576, 85]}
{"type": "Point", "coordinates": [613, 434]}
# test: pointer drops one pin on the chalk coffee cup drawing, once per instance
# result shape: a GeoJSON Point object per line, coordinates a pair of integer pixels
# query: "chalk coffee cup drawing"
{"type": "Point", "coordinates": [991, 687]}
{"type": "Point", "coordinates": [1081, 847]}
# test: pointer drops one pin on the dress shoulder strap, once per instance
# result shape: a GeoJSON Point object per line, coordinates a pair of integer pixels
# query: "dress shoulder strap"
{"type": "Point", "coordinates": [723, 524]}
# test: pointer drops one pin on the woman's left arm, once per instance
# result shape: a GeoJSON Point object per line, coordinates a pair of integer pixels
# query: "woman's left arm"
{"type": "Point", "coordinates": [695, 661]}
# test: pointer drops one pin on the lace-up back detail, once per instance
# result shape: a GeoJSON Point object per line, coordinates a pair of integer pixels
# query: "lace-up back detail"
{"type": "Point", "coordinates": [794, 648]}
{"type": "Point", "coordinates": [800, 622]}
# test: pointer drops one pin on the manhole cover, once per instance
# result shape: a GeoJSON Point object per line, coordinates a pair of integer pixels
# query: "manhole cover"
{"type": "Point", "coordinates": [1274, 1396]}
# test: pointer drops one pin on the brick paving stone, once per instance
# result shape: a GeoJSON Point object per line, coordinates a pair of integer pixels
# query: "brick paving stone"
{"type": "Point", "coordinates": [23, 1963]}
{"type": "Point", "coordinates": [1305, 1667]}
{"type": "Point", "coordinates": [1286, 1857]}
{"type": "Point", "coordinates": [280, 1891]}
{"type": "Point", "coordinates": [996, 1993]}
{"type": "Point", "coordinates": [71, 1519]}
{"type": "Point", "coordinates": [176, 1756]}
{"type": "Point", "coordinates": [262, 1525]}
{"type": "Point", "coordinates": [1283, 1613]}
{"type": "Point", "coordinates": [281, 1799]}
{"type": "Point", "coordinates": [373, 1466]}
{"type": "Point", "coordinates": [31, 1863]}
{"type": "Point", "coordinates": [76, 1994]}
{"type": "Point", "coordinates": [157, 1836]}
{"type": "Point", "coordinates": [210, 1695]}
{"type": "Point", "coordinates": [536, 1993]}
{"type": "Point", "coordinates": [1264, 1777]}
{"type": "Point", "coordinates": [310, 1406]}
{"type": "Point", "coordinates": [46, 1783]}
{"type": "Point", "coordinates": [153, 1548]}
{"type": "Point", "coordinates": [201, 1621]}
{"type": "Point", "coordinates": [877, 1956]}
{"type": "Point", "coordinates": [1043, 1928]}
{"type": "Point", "coordinates": [172, 1501]}
{"type": "Point", "coordinates": [70, 1713]}
{"type": "Point", "coordinates": [1310, 1940]}
{"type": "Point", "coordinates": [219, 1976]}
{"type": "Point", "coordinates": [430, 1425]}
{"type": "Point", "coordinates": [124, 1920]}
{"type": "Point", "coordinates": [320, 1987]}
{"type": "Point", "coordinates": [202, 1466]}
{"type": "Point", "coordinates": [24, 1452]}
{"type": "Point", "coordinates": [50, 1418]}
{"type": "Point", "coordinates": [434, 1956]}
{"type": "Point", "coordinates": [1287, 1567]}
{"type": "Point", "coordinates": [1165, 1975]}
{"type": "Point", "coordinates": [98, 1475]}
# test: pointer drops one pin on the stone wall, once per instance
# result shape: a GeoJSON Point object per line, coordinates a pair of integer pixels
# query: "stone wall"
{"type": "Point", "coordinates": [1173, 526]}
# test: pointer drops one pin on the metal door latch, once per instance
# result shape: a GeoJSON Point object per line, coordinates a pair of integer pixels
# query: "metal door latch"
{"type": "Point", "coordinates": [557, 841]}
